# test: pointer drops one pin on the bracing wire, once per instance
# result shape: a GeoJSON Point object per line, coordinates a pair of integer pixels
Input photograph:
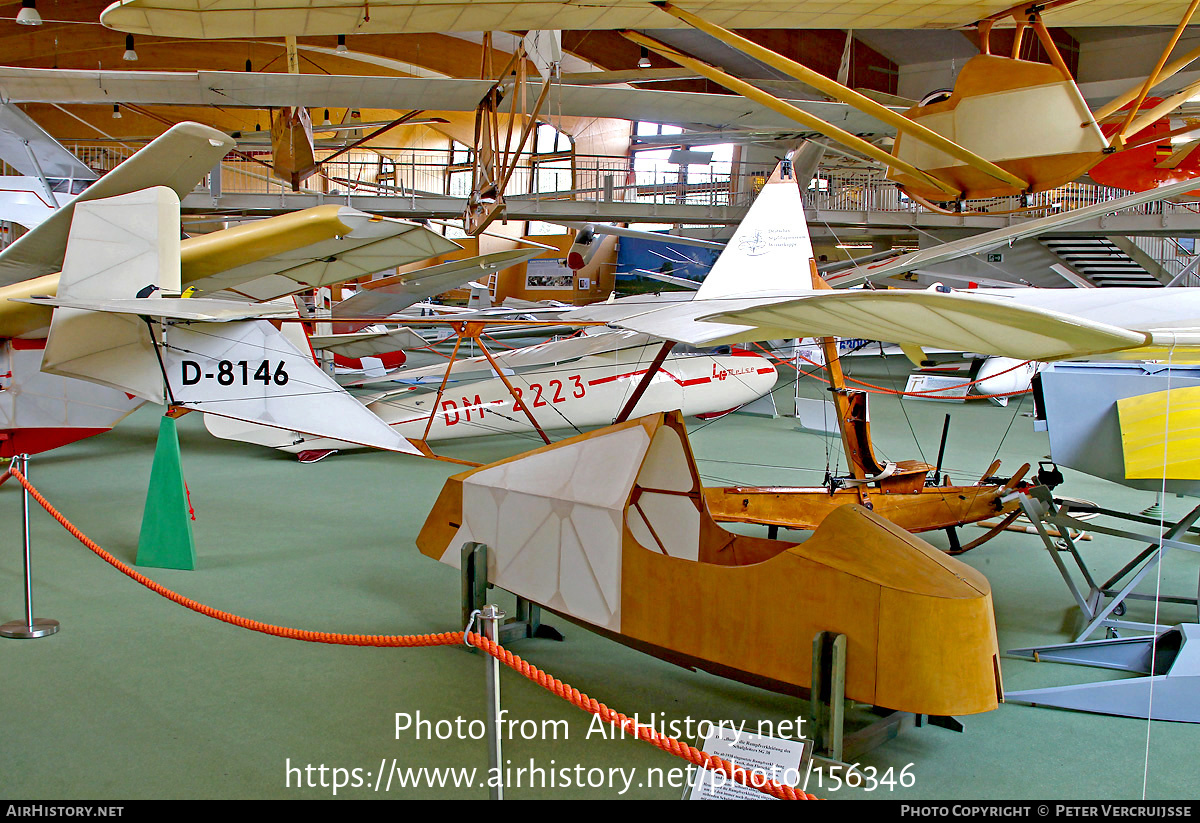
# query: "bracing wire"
{"type": "Point", "coordinates": [1162, 514]}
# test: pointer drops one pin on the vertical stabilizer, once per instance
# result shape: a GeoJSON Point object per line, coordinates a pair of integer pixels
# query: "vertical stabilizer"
{"type": "Point", "coordinates": [770, 250]}
{"type": "Point", "coordinates": [119, 247]}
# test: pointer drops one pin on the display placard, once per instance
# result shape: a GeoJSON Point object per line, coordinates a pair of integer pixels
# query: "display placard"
{"type": "Point", "coordinates": [780, 759]}
{"type": "Point", "coordinates": [549, 274]}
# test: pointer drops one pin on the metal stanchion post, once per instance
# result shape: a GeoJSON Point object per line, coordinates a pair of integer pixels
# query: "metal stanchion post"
{"type": "Point", "coordinates": [490, 617]}
{"type": "Point", "coordinates": [31, 626]}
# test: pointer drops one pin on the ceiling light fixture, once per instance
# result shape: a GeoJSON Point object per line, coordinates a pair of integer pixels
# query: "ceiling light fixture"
{"type": "Point", "coordinates": [116, 111]}
{"type": "Point", "coordinates": [341, 46]}
{"type": "Point", "coordinates": [28, 15]}
{"type": "Point", "coordinates": [644, 60]}
{"type": "Point", "coordinates": [129, 54]}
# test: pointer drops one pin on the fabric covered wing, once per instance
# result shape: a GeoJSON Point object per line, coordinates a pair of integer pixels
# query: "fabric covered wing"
{"type": "Point", "coordinates": [412, 287]}
{"type": "Point", "coordinates": [953, 321]}
{"type": "Point", "coordinates": [178, 159]}
{"type": "Point", "coordinates": [370, 245]}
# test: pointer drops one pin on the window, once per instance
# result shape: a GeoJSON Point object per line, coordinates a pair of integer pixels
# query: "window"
{"type": "Point", "coordinates": [552, 164]}
{"type": "Point", "coordinates": [659, 179]}
{"type": "Point", "coordinates": [459, 172]}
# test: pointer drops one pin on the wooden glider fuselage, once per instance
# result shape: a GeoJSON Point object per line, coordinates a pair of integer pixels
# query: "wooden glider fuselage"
{"type": "Point", "coordinates": [899, 493]}
{"type": "Point", "coordinates": [611, 529]}
{"type": "Point", "coordinates": [292, 152]}
{"type": "Point", "coordinates": [901, 496]}
{"type": "Point", "coordinates": [1023, 116]}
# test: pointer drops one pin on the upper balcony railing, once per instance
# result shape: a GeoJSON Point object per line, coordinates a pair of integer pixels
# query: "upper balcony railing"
{"type": "Point", "coordinates": [400, 172]}
{"type": "Point", "coordinates": [407, 171]}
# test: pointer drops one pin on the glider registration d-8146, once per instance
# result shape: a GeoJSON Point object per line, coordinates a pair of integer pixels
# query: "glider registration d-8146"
{"type": "Point", "coordinates": [227, 374]}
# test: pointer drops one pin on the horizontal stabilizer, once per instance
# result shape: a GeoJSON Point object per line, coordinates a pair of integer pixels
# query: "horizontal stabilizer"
{"type": "Point", "coordinates": [170, 308]}
{"type": "Point", "coordinates": [249, 371]}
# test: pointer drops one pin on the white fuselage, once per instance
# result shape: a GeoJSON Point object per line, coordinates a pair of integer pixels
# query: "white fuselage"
{"type": "Point", "coordinates": [586, 392]}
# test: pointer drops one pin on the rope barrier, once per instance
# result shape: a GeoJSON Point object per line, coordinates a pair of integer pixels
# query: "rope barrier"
{"type": "Point", "coordinates": [671, 745]}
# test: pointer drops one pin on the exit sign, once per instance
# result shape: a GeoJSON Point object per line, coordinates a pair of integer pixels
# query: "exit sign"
{"type": "Point", "coordinates": [995, 258]}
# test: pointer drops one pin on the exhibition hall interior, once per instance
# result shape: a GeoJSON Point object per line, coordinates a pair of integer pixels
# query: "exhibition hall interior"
{"type": "Point", "coordinates": [703, 399]}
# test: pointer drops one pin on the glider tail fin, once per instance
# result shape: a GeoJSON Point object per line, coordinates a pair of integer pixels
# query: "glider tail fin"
{"type": "Point", "coordinates": [120, 247]}
{"type": "Point", "coordinates": [771, 249]}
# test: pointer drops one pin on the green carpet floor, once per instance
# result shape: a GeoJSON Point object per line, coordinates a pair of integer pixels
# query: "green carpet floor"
{"type": "Point", "coordinates": [139, 698]}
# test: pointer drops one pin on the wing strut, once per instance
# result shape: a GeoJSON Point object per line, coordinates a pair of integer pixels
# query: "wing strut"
{"type": "Point", "coordinates": [645, 381]}
{"type": "Point", "coordinates": [477, 329]}
{"type": "Point", "coordinates": [474, 331]}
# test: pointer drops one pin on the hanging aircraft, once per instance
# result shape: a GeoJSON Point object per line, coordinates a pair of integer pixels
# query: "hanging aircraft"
{"type": "Point", "coordinates": [240, 18]}
{"type": "Point", "coordinates": [1009, 127]}
{"type": "Point", "coordinates": [50, 175]}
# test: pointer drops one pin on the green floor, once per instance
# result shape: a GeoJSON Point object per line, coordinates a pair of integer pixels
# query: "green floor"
{"type": "Point", "coordinates": [139, 698]}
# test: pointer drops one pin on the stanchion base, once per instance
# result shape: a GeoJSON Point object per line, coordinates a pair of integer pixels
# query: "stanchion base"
{"type": "Point", "coordinates": [20, 630]}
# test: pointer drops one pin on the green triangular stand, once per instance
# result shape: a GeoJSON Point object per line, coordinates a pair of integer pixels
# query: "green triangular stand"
{"type": "Point", "coordinates": [166, 539]}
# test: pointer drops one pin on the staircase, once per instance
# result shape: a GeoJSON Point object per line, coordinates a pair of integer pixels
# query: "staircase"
{"type": "Point", "coordinates": [1108, 262]}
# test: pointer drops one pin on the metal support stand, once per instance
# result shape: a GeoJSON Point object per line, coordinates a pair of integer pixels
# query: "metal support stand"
{"type": "Point", "coordinates": [31, 626]}
{"type": "Point", "coordinates": [1173, 680]}
{"type": "Point", "coordinates": [490, 616]}
{"type": "Point", "coordinates": [527, 622]}
{"type": "Point", "coordinates": [827, 712]}
{"type": "Point", "coordinates": [1039, 506]}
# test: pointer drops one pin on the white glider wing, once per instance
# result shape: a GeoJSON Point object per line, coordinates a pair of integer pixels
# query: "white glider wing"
{"type": "Point", "coordinates": [402, 291]}
{"type": "Point", "coordinates": [369, 244]}
{"type": "Point", "coordinates": [178, 160]}
{"type": "Point", "coordinates": [956, 321]}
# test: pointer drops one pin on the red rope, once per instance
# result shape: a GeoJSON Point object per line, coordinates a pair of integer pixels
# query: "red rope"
{"type": "Point", "coordinates": [755, 780]}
